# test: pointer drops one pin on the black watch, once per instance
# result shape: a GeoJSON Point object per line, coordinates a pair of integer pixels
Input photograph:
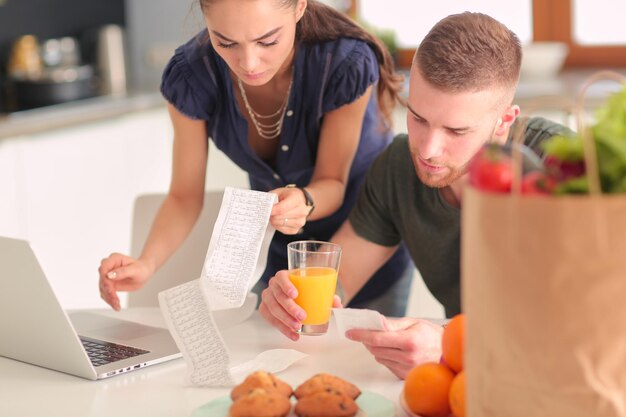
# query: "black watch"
{"type": "Point", "coordinates": [307, 197]}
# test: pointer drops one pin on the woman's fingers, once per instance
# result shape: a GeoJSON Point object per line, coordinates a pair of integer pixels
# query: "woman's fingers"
{"type": "Point", "coordinates": [289, 215]}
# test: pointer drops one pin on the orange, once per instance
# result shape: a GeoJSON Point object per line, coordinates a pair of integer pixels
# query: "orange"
{"type": "Point", "coordinates": [457, 395]}
{"type": "Point", "coordinates": [452, 343]}
{"type": "Point", "coordinates": [426, 389]}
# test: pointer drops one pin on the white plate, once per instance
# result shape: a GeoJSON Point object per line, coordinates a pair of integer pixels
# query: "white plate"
{"type": "Point", "coordinates": [370, 405]}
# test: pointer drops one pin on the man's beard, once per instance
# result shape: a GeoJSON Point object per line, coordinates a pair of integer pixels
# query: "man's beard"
{"type": "Point", "coordinates": [454, 172]}
{"type": "Point", "coordinates": [437, 181]}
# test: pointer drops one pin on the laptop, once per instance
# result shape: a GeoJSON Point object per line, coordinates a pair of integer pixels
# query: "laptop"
{"type": "Point", "coordinates": [35, 329]}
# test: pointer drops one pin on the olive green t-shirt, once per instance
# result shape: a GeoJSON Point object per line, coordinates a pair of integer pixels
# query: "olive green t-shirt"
{"type": "Point", "coordinates": [394, 206]}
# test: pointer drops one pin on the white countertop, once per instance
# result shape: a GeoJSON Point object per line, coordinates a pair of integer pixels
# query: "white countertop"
{"type": "Point", "coordinates": [160, 390]}
{"type": "Point", "coordinates": [567, 85]}
{"type": "Point", "coordinates": [44, 119]}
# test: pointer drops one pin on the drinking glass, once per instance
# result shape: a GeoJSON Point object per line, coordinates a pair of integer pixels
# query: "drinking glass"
{"type": "Point", "coordinates": [313, 267]}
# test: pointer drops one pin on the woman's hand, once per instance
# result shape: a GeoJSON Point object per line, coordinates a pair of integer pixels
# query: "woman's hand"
{"type": "Point", "coordinates": [290, 213]}
{"type": "Point", "coordinates": [121, 273]}
{"type": "Point", "coordinates": [405, 343]}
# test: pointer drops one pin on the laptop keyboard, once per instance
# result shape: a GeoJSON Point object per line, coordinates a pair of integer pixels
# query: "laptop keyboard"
{"type": "Point", "coordinates": [102, 353]}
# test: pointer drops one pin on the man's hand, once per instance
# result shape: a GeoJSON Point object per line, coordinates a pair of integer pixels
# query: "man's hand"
{"type": "Point", "coordinates": [279, 308]}
{"type": "Point", "coordinates": [407, 342]}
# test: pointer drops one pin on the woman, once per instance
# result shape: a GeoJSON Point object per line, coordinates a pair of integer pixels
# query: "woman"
{"type": "Point", "coordinates": [285, 88]}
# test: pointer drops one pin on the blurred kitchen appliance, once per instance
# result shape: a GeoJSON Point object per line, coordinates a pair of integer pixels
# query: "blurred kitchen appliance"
{"type": "Point", "coordinates": [111, 60]}
{"type": "Point", "coordinates": [46, 74]}
{"type": "Point", "coordinates": [62, 52]}
{"type": "Point", "coordinates": [54, 86]}
{"type": "Point", "coordinates": [24, 60]}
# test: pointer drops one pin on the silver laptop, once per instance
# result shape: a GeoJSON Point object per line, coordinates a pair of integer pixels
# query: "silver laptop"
{"type": "Point", "coordinates": [35, 328]}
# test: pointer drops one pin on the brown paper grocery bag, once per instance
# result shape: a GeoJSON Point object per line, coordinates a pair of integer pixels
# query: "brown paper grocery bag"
{"type": "Point", "coordinates": [544, 292]}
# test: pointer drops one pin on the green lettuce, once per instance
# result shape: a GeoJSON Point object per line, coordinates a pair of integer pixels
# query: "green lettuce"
{"type": "Point", "coordinates": [609, 134]}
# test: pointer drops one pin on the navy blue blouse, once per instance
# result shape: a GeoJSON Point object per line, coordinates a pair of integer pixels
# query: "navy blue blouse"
{"type": "Point", "coordinates": [325, 76]}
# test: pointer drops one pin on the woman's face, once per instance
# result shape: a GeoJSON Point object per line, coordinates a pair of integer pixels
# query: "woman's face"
{"type": "Point", "coordinates": [254, 37]}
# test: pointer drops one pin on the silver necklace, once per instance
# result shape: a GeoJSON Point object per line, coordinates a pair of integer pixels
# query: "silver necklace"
{"type": "Point", "coordinates": [266, 130]}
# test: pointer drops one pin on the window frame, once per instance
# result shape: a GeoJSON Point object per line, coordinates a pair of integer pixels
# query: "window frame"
{"type": "Point", "coordinates": [552, 21]}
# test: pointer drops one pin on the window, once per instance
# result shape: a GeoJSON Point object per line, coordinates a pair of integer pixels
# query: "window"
{"type": "Point", "coordinates": [412, 19]}
{"type": "Point", "coordinates": [593, 29]}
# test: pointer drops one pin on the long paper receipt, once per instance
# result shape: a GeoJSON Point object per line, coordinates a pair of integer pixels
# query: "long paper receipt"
{"type": "Point", "coordinates": [234, 263]}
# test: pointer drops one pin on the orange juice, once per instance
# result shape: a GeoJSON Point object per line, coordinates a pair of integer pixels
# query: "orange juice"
{"type": "Point", "coordinates": [316, 287]}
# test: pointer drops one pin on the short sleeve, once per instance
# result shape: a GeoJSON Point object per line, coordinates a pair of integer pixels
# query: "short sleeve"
{"type": "Point", "coordinates": [371, 215]}
{"type": "Point", "coordinates": [355, 70]}
{"type": "Point", "coordinates": [180, 87]}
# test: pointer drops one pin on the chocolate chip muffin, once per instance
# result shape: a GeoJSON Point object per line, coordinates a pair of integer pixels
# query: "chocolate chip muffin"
{"type": "Point", "coordinates": [260, 403]}
{"type": "Point", "coordinates": [322, 382]}
{"type": "Point", "coordinates": [261, 379]}
{"type": "Point", "coordinates": [327, 403]}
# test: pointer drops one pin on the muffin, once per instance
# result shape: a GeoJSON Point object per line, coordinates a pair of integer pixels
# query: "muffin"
{"type": "Point", "coordinates": [327, 403]}
{"type": "Point", "coordinates": [261, 379]}
{"type": "Point", "coordinates": [260, 403]}
{"type": "Point", "coordinates": [322, 382]}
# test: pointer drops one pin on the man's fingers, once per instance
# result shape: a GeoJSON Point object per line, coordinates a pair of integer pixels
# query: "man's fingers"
{"type": "Point", "coordinates": [373, 337]}
{"type": "Point", "coordinates": [275, 322]}
{"type": "Point", "coordinates": [337, 302]}
{"type": "Point", "coordinates": [276, 310]}
{"type": "Point", "coordinates": [400, 323]}
{"type": "Point", "coordinates": [281, 279]}
{"type": "Point", "coordinates": [390, 354]}
{"type": "Point", "coordinates": [284, 292]}
{"type": "Point", "coordinates": [398, 369]}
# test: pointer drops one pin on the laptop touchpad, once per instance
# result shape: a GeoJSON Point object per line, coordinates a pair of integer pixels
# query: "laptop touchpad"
{"type": "Point", "coordinates": [97, 326]}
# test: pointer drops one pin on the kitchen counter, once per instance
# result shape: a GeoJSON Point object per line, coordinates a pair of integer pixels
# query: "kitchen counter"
{"type": "Point", "coordinates": [162, 390]}
{"type": "Point", "coordinates": [567, 85]}
{"type": "Point", "coordinates": [73, 113]}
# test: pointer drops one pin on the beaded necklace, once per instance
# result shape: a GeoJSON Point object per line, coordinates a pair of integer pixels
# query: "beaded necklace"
{"type": "Point", "coordinates": [267, 131]}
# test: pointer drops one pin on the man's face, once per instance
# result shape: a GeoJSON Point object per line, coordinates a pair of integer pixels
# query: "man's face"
{"type": "Point", "coordinates": [446, 130]}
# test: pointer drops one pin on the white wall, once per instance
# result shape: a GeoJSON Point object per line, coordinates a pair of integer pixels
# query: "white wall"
{"type": "Point", "coordinates": [71, 192]}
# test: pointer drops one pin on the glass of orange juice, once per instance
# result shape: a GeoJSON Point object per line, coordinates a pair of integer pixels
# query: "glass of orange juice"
{"type": "Point", "coordinates": [313, 267]}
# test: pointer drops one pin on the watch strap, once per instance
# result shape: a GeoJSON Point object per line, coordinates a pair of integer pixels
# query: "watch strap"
{"type": "Point", "coordinates": [307, 197]}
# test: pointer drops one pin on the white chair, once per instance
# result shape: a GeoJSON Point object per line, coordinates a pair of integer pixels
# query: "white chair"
{"type": "Point", "coordinates": [186, 263]}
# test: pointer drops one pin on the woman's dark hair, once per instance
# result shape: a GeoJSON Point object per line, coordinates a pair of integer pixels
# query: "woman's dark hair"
{"type": "Point", "coordinates": [321, 23]}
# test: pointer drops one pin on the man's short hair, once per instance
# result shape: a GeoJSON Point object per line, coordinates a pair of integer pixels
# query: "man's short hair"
{"type": "Point", "coordinates": [470, 52]}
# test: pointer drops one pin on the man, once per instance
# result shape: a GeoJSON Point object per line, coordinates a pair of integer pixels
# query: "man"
{"type": "Point", "coordinates": [461, 88]}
